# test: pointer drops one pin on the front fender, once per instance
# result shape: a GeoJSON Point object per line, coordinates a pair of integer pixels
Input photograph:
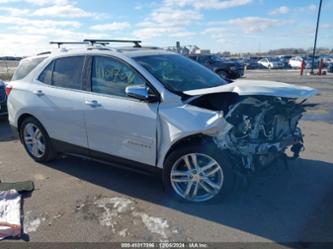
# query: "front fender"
{"type": "Point", "coordinates": [177, 123]}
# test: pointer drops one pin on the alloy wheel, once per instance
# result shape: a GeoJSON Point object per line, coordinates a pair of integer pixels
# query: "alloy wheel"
{"type": "Point", "coordinates": [196, 177]}
{"type": "Point", "coordinates": [34, 140]}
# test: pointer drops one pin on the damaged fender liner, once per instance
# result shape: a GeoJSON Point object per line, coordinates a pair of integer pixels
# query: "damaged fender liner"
{"type": "Point", "coordinates": [255, 129]}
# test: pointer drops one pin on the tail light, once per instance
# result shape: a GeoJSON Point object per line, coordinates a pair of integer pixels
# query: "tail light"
{"type": "Point", "coordinates": [8, 89]}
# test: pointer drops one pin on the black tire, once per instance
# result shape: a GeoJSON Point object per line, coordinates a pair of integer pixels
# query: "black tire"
{"type": "Point", "coordinates": [212, 151]}
{"type": "Point", "coordinates": [49, 153]}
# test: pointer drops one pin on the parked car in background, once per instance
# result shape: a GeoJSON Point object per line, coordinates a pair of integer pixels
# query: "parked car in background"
{"type": "Point", "coordinates": [330, 68]}
{"type": "Point", "coordinates": [224, 68]}
{"type": "Point", "coordinates": [308, 61]}
{"type": "Point", "coordinates": [296, 62]}
{"type": "Point", "coordinates": [3, 99]}
{"type": "Point", "coordinates": [327, 59]}
{"type": "Point", "coordinates": [150, 109]}
{"type": "Point", "coordinates": [252, 63]}
{"type": "Point", "coordinates": [271, 63]}
{"type": "Point", "coordinates": [285, 60]}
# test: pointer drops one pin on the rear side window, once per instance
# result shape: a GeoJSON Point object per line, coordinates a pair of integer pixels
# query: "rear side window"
{"type": "Point", "coordinates": [67, 72]}
{"type": "Point", "coordinates": [64, 72]}
{"type": "Point", "coordinates": [26, 66]}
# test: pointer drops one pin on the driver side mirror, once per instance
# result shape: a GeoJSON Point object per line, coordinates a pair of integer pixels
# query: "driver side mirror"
{"type": "Point", "coordinates": [140, 93]}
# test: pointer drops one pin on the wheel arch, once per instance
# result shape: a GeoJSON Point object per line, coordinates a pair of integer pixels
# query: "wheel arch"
{"type": "Point", "coordinates": [198, 138]}
{"type": "Point", "coordinates": [21, 118]}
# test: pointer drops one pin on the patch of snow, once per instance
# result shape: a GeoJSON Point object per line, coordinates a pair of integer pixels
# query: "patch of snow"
{"type": "Point", "coordinates": [31, 225]}
{"type": "Point", "coordinates": [117, 210]}
{"type": "Point", "coordinates": [32, 222]}
{"type": "Point", "coordinates": [123, 232]}
{"type": "Point", "coordinates": [112, 208]}
{"type": "Point", "coordinates": [120, 204]}
{"type": "Point", "coordinates": [155, 224]}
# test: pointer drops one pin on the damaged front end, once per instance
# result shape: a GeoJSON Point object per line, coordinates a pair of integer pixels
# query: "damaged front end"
{"type": "Point", "coordinates": [261, 129]}
{"type": "Point", "coordinates": [255, 129]}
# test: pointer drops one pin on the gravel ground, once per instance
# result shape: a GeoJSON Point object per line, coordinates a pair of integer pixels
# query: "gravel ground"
{"type": "Point", "coordinates": [78, 200]}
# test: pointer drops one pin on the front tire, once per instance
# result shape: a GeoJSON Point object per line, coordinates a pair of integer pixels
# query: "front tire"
{"type": "Point", "coordinates": [36, 140]}
{"type": "Point", "coordinates": [198, 173]}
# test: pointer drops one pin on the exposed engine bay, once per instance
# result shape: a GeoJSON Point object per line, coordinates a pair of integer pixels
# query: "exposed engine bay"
{"type": "Point", "coordinates": [257, 129]}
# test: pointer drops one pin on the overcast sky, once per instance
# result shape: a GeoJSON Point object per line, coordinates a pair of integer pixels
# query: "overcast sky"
{"type": "Point", "coordinates": [26, 26]}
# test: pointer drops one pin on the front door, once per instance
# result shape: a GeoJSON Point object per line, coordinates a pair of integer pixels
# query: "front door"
{"type": "Point", "coordinates": [116, 124]}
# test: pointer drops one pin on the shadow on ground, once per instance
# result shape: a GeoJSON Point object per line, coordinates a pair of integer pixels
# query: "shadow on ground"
{"type": "Point", "coordinates": [5, 131]}
{"type": "Point", "coordinates": [279, 204]}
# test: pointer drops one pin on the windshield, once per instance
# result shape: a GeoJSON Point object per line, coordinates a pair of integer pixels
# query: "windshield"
{"type": "Point", "coordinates": [178, 73]}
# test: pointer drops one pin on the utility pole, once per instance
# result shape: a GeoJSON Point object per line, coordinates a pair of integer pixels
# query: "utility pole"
{"type": "Point", "coordinates": [315, 41]}
{"type": "Point", "coordinates": [178, 47]}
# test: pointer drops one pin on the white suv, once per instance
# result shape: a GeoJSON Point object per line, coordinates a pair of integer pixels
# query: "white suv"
{"type": "Point", "coordinates": [146, 108]}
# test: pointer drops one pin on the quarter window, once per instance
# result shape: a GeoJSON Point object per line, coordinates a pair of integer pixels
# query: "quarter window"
{"type": "Point", "coordinates": [46, 75]}
{"type": "Point", "coordinates": [110, 76]}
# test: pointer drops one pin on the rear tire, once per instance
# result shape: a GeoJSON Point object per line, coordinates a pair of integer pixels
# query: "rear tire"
{"type": "Point", "coordinates": [36, 141]}
{"type": "Point", "coordinates": [178, 175]}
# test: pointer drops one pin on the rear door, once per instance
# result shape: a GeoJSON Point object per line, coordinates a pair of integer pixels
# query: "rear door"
{"type": "Point", "coordinates": [59, 100]}
{"type": "Point", "coordinates": [117, 125]}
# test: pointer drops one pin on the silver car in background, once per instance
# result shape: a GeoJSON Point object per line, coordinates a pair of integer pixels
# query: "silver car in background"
{"type": "Point", "coordinates": [271, 63]}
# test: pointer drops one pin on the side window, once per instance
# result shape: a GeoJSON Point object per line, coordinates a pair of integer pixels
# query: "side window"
{"type": "Point", "coordinates": [110, 76]}
{"type": "Point", "coordinates": [46, 75]}
{"type": "Point", "coordinates": [26, 66]}
{"type": "Point", "coordinates": [67, 72]}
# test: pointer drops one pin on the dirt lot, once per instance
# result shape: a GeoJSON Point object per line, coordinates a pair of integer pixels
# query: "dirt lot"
{"type": "Point", "coordinates": [79, 200]}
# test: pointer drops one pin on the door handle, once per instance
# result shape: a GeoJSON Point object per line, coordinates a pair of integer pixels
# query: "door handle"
{"type": "Point", "coordinates": [92, 103]}
{"type": "Point", "coordinates": [39, 93]}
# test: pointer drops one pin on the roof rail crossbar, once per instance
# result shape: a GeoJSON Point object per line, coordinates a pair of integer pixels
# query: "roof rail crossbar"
{"type": "Point", "coordinates": [72, 43]}
{"type": "Point", "coordinates": [94, 41]}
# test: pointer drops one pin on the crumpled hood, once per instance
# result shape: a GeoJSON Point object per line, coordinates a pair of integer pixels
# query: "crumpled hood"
{"type": "Point", "coordinates": [259, 87]}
